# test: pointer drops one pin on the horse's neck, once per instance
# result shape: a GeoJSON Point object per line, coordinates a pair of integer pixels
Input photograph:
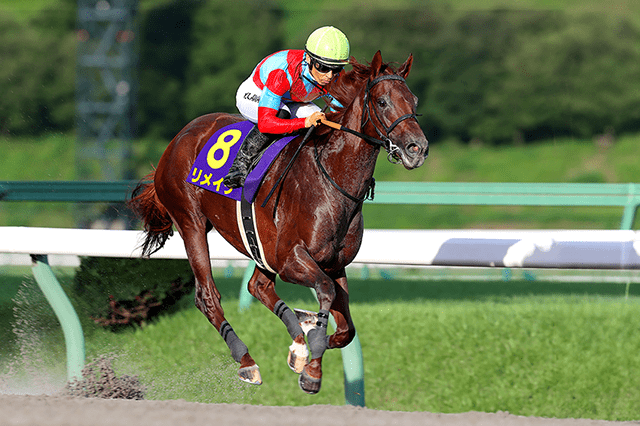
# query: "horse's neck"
{"type": "Point", "coordinates": [348, 159]}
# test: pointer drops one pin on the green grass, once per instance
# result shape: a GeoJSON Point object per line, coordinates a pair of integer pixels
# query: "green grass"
{"type": "Point", "coordinates": [562, 160]}
{"type": "Point", "coordinates": [527, 347]}
{"type": "Point", "coordinates": [557, 356]}
{"type": "Point", "coordinates": [10, 282]}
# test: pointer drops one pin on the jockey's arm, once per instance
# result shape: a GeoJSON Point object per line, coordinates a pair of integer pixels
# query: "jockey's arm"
{"type": "Point", "coordinates": [269, 123]}
{"type": "Point", "coordinates": [276, 86]}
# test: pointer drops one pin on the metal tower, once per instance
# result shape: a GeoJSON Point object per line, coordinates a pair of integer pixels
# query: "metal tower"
{"type": "Point", "coordinates": [105, 100]}
{"type": "Point", "coordinates": [105, 91]}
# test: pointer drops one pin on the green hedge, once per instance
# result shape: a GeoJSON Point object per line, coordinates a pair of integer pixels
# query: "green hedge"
{"type": "Point", "coordinates": [117, 292]}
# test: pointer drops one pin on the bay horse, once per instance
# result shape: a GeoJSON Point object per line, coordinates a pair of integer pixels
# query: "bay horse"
{"type": "Point", "coordinates": [311, 230]}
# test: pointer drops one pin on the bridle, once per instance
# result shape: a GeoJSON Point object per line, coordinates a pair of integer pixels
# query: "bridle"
{"type": "Point", "coordinates": [383, 141]}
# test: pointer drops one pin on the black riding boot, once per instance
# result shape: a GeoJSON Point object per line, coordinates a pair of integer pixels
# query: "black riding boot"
{"type": "Point", "coordinates": [249, 150]}
{"type": "Point", "coordinates": [255, 142]}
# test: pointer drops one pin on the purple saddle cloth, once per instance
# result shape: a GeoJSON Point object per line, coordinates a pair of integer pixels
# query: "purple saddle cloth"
{"type": "Point", "coordinates": [215, 160]}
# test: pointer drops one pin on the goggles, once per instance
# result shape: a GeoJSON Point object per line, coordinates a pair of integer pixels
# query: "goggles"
{"type": "Point", "coordinates": [324, 68]}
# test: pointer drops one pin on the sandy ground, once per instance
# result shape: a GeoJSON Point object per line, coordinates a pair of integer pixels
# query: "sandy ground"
{"type": "Point", "coordinates": [66, 411]}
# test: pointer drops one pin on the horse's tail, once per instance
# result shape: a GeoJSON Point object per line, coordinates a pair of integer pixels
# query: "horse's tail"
{"type": "Point", "coordinates": [155, 218]}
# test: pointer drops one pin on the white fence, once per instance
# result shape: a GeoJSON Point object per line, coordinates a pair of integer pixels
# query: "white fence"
{"type": "Point", "coordinates": [583, 249]}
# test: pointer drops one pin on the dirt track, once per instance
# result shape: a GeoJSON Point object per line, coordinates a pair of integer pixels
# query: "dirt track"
{"type": "Point", "coordinates": [65, 411]}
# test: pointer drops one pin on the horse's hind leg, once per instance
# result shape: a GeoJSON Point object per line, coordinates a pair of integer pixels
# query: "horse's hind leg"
{"type": "Point", "coordinates": [207, 297]}
{"type": "Point", "coordinates": [345, 330]}
{"type": "Point", "coordinates": [262, 287]}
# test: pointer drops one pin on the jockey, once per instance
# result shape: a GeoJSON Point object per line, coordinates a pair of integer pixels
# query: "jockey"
{"type": "Point", "coordinates": [278, 94]}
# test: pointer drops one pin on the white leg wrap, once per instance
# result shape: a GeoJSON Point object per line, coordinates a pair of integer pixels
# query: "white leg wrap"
{"type": "Point", "coordinates": [300, 350]}
{"type": "Point", "coordinates": [298, 357]}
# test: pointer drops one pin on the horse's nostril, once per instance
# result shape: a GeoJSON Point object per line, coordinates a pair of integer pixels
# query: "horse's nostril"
{"type": "Point", "coordinates": [415, 149]}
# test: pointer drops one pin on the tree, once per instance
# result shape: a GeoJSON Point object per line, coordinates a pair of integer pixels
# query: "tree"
{"type": "Point", "coordinates": [229, 39]}
{"type": "Point", "coordinates": [166, 38]}
{"type": "Point", "coordinates": [37, 74]}
{"type": "Point", "coordinates": [578, 80]}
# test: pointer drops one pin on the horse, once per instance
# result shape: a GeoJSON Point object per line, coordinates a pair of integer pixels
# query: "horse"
{"type": "Point", "coordinates": [311, 230]}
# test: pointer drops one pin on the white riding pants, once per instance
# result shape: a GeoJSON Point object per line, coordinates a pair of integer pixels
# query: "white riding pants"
{"type": "Point", "coordinates": [248, 96]}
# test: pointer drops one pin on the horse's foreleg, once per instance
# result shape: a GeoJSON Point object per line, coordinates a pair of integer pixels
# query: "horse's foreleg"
{"type": "Point", "coordinates": [310, 379]}
{"type": "Point", "coordinates": [207, 300]}
{"type": "Point", "coordinates": [302, 269]}
{"type": "Point", "coordinates": [262, 287]}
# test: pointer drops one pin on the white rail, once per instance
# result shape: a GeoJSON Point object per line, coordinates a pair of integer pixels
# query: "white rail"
{"type": "Point", "coordinates": [584, 249]}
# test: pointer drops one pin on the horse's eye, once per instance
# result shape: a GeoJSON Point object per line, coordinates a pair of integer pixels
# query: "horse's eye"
{"type": "Point", "coordinates": [382, 103]}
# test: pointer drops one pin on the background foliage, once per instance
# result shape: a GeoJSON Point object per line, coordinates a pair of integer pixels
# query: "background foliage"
{"type": "Point", "coordinates": [494, 74]}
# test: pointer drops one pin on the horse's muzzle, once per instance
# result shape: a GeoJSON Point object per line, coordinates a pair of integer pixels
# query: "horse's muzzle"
{"type": "Point", "coordinates": [415, 153]}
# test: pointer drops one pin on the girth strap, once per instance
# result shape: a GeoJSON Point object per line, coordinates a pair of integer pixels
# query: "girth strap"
{"type": "Point", "coordinates": [250, 233]}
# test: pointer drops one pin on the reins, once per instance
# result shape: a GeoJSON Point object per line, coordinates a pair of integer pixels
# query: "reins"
{"type": "Point", "coordinates": [370, 188]}
{"type": "Point", "coordinates": [286, 170]}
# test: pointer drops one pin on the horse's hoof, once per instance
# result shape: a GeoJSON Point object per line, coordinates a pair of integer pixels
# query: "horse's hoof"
{"type": "Point", "coordinates": [250, 375]}
{"type": "Point", "coordinates": [307, 319]}
{"type": "Point", "coordinates": [309, 384]}
{"type": "Point", "coordinates": [298, 357]}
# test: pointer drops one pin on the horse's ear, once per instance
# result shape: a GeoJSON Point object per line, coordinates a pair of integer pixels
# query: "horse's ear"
{"type": "Point", "coordinates": [376, 63]}
{"type": "Point", "coordinates": [406, 67]}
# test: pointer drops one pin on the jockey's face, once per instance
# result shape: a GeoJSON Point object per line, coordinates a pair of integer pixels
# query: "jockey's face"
{"type": "Point", "coordinates": [323, 74]}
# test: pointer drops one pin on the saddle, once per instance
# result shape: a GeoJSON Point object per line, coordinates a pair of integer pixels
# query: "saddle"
{"type": "Point", "coordinates": [215, 160]}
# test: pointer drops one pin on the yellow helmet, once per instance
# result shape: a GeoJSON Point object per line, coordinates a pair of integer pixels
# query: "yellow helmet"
{"type": "Point", "coordinates": [328, 45]}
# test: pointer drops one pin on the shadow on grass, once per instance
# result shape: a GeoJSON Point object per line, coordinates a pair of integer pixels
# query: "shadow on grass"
{"type": "Point", "coordinates": [373, 290]}
{"type": "Point", "coordinates": [9, 287]}
{"type": "Point", "coordinates": [404, 290]}
{"type": "Point", "coordinates": [377, 290]}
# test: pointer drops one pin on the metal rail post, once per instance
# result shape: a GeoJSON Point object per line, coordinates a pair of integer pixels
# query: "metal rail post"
{"type": "Point", "coordinates": [353, 367]}
{"type": "Point", "coordinates": [245, 297]}
{"type": "Point", "coordinates": [73, 336]}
